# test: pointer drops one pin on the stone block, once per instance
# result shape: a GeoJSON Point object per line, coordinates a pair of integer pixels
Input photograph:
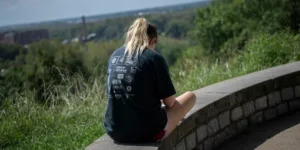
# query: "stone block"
{"type": "Point", "coordinates": [297, 80]}
{"type": "Point", "coordinates": [201, 133]}
{"type": "Point", "coordinates": [282, 108]}
{"type": "Point", "coordinates": [297, 91]}
{"type": "Point", "coordinates": [180, 145]}
{"type": "Point", "coordinates": [287, 93]}
{"type": "Point", "coordinates": [218, 140]}
{"type": "Point", "coordinates": [287, 80]}
{"type": "Point", "coordinates": [248, 108]}
{"type": "Point", "coordinates": [242, 125]}
{"type": "Point", "coordinates": [213, 126]}
{"type": "Point", "coordinates": [211, 103]}
{"type": "Point", "coordinates": [191, 141]}
{"type": "Point", "coordinates": [229, 132]}
{"type": "Point", "coordinates": [165, 145]}
{"type": "Point", "coordinates": [257, 118]}
{"type": "Point", "coordinates": [209, 144]}
{"type": "Point", "coordinates": [186, 126]}
{"type": "Point", "coordinates": [249, 93]}
{"type": "Point", "coordinates": [171, 140]}
{"type": "Point", "coordinates": [294, 105]}
{"type": "Point", "coordinates": [271, 86]}
{"type": "Point", "coordinates": [261, 103]}
{"type": "Point", "coordinates": [224, 119]}
{"type": "Point", "coordinates": [201, 115]}
{"type": "Point", "coordinates": [236, 113]}
{"type": "Point", "coordinates": [270, 113]}
{"type": "Point", "coordinates": [274, 98]}
{"type": "Point", "coordinates": [199, 147]}
{"type": "Point", "coordinates": [220, 106]}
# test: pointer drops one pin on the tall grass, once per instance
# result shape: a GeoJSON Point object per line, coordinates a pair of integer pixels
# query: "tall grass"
{"type": "Point", "coordinates": [72, 118]}
{"type": "Point", "coordinates": [195, 70]}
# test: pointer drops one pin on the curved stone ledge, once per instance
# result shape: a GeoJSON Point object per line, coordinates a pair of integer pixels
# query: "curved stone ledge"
{"type": "Point", "coordinates": [226, 109]}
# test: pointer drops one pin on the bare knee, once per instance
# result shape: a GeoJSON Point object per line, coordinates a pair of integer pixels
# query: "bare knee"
{"type": "Point", "coordinates": [192, 96]}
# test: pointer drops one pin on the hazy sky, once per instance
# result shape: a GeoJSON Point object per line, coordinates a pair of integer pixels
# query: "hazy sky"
{"type": "Point", "coordinates": [24, 11]}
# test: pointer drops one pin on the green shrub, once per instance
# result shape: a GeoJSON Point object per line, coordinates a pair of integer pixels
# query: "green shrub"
{"type": "Point", "coordinates": [171, 48]}
{"type": "Point", "coordinates": [267, 50]}
{"type": "Point", "coordinates": [227, 25]}
{"type": "Point", "coordinates": [195, 69]}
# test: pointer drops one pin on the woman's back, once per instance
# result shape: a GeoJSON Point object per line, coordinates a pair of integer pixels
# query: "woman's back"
{"type": "Point", "coordinates": [138, 81]}
{"type": "Point", "coordinates": [136, 84]}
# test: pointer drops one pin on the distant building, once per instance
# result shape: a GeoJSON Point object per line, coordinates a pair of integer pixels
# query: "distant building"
{"type": "Point", "coordinates": [23, 37]}
{"type": "Point", "coordinates": [66, 41]}
{"type": "Point", "coordinates": [2, 72]}
{"type": "Point", "coordinates": [7, 38]}
{"type": "Point", "coordinates": [75, 40]}
{"type": "Point", "coordinates": [91, 36]}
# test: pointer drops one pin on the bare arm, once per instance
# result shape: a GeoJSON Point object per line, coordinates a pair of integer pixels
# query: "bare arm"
{"type": "Point", "coordinates": [169, 101]}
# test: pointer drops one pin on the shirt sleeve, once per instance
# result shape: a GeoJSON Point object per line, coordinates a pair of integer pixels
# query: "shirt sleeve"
{"type": "Point", "coordinates": [165, 85]}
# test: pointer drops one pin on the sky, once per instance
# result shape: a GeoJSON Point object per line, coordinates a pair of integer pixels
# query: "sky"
{"type": "Point", "coordinates": [26, 11]}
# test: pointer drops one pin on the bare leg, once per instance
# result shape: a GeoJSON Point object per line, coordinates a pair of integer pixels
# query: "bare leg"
{"type": "Point", "coordinates": [183, 104]}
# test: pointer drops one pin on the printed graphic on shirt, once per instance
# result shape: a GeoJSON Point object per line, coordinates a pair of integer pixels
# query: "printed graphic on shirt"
{"type": "Point", "coordinates": [115, 60]}
{"type": "Point", "coordinates": [128, 96]}
{"type": "Point", "coordinates": [120, 76]}
{"type": "Point", "coordinates": [129, 79]}
{"type": "Point", "coordinates": [122, 73]}
{"type": "Point", "coordinates": [130, 61]}
{"type": "Point", "coordinates": [120, 69]}
{"type": "Point", "coordinates": [118, 87]}
{"type": "Point", "coordinates": [128, 88]}
{"type": "Point", "coordinates": [115, 81]}
{"type": "Point", "coordinates": [118, 96]}
{"type": "Point", "coordinates": [133, 70]}
{"type": "Point", "coordinates": [121, 60]}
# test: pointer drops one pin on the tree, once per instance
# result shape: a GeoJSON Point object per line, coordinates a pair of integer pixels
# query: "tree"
{"type": "Point", "coordinates": [177, 28]}
{"type": "Point", "coordinates": [295, 13]}
{"type": "Point", "coordinates": [226, 25]}
{"type": "Point", "coordinates": [44, 66]}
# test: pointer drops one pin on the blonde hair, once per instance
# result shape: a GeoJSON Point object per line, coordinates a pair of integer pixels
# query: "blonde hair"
{"type": "Point", "coordinates": [136, 37]}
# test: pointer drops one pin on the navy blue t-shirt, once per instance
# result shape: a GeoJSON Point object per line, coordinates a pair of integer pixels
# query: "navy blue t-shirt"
{"type": "Point", "coordinates": [135, 86]}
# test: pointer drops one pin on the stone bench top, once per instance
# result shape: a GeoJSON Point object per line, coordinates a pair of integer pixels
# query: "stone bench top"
{"type": "Point", "coordinates": [109, 144]}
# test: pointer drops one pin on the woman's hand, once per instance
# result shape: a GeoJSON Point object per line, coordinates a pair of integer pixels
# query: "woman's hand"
{"type": "Point", "coordinates": [169, 101]}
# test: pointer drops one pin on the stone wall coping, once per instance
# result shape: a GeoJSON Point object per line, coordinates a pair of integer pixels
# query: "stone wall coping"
{"type": "Point", "coordinates": [214, 92]}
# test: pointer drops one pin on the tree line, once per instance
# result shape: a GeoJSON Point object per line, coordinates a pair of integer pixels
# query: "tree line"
{"type": "Point", "coordinates": [176, 25]}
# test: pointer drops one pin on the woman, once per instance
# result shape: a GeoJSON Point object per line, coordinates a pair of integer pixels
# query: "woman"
{"type": "Point", "coordinates": [138, 84]}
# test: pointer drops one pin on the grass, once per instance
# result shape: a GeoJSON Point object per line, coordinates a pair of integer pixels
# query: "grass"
{"type": "Point", "coordinates": [73, 121]}
{"type": "Point", "coordinates": [25, 124]}
{"type": "Point", "coordinates": [194, 70]}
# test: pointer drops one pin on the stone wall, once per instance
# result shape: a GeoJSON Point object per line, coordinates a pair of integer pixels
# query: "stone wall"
{"type": "Point", "coordinates": [226, 109]}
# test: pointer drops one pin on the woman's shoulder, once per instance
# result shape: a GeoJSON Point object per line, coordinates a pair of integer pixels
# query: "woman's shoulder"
{"type": "Point", "coordinates": [151, 55]}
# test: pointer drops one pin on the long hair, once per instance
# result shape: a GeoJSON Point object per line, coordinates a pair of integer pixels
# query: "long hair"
{"type": "Point", "coordinates": [138, 36]}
